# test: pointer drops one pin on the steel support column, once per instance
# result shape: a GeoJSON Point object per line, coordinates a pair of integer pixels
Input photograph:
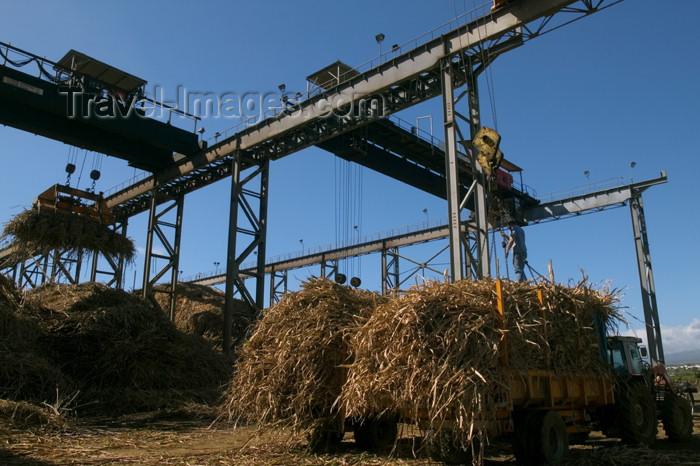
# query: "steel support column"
{"type": "Point", "coordinates": [482, 252]}
{"type": "Point", "coordinates": [246, 235]}
{"type": "Point", "coordinates": [457, 271]}
{"type": "Point", "coordinates": [646, 279]}
{"type": "Point", "coordinates": [278, 286]}
{"type": "Point", "coordinates": [390, 271]}
{"type": "Point", "coordinates": [469, 254]}
{"type": "Point", "coordinates": [329, 268]}
{"type": "Point", "coordinates": [114, 264]}
{"type": "Point", "coordinates": [163, 243]}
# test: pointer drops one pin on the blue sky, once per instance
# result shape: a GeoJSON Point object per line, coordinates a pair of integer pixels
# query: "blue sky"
{"type": "Point", "coordinates": [617, 87]}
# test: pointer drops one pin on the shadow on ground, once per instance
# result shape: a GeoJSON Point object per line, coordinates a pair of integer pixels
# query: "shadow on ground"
{"type": "Point", "coordinates": [8, 458]}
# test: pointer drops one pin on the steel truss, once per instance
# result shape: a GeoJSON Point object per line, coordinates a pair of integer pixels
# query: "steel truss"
{"type": "Point", "coordinates": [58, 266]}
{"type": "Point", "coordinates": [329, 268]}
{"type": "Point", "coordinates": [485, 38]}
{"type": "Point", "coordinates": [163, 243]}
{"type": "Point", "coordinates": [33, 272]}
{"type": "Point", "coordinates": [114, 264]}
{"type": "Point", "coordinates": [246, 236]}
{"type": "Point", "coordinates": [278, 286]}
{"type": "Point", "coordinates": [561, 209]}
{"type": "Point", "coordinates": [392, 279]}
{"type": "Point", "coordinates": [66, 266]}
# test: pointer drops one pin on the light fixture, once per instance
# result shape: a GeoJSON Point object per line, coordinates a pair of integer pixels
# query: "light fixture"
{"type": "Point", "coordinates": [379, 38]}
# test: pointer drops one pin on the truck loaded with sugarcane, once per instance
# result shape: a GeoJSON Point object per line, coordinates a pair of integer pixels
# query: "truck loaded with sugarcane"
{"type": "Point", "coordinates": [465, 363]}
{"type": "Point", "coordinates": [557, 401]}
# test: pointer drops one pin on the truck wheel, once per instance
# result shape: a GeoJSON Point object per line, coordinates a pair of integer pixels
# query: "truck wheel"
{"type": "Point", "coordinates": [636, 414]}
{"type": "Point", "coordinates": [677, 417]}
{"type": "Point", "coordinates": [323, 439]}
{"type": "Point", "coordinates": [445, 447]}
{"type": "Point", "coordinates": [553, 443]}
{"type": "Point", "coordinates": [377, 434]}
{"type": "Point", "coordinates": [540, 438]}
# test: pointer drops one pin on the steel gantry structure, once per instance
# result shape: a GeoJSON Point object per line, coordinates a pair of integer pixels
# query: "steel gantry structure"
{"type": "Point", "coordinates": [447, 63]}
{"type": "Point", "coordinates": [439, 66]}
{"type": "Point", "coordinates": [570, 207]}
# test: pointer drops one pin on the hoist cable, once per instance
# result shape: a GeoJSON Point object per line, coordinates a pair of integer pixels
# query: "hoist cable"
{"type": "Point", "coordinates": [82, 166]}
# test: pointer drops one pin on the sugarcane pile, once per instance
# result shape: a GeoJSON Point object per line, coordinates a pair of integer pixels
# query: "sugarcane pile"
{"type": "Point", "coordinates": [437, 353]}
{"type": "Point", "coordinates": [35, 232]}
{"type": "Point", "coordinates": [25, 371]}
{"type": "Point", "coordinates": [28, 379]}
{"type": "Point", "coordinates": [292, 369]}
{"type": "Point", "coordinates": [199, 310]}
{"type": "Point", "coordinates": [121, 352]}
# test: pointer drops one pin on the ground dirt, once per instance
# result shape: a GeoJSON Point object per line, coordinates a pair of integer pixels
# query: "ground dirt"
{"type": "Point", "coordinates": [157, 440]}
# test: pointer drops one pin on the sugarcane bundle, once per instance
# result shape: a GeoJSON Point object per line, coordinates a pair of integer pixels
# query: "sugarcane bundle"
{"type": "Point", "coordinates": [35, 232]}
{"type": "Point", "coordinates": [293, 367]}
{"type": "Point", "coordinates": [122, 352]}
{"type": "Point", "coordinates": [199, 310]}
{"type": "Point", "coordinates": [440, 352]}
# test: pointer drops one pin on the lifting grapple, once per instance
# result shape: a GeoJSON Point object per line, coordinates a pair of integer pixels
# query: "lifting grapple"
{"type": "Point", "coordinates": [68, 200]}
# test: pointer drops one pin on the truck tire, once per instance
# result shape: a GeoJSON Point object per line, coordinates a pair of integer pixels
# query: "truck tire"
{"type": "Point", "coordinates": [377, 434]}
{"type": "Point", "coordinates": [551, 439]}
{"type": "Point", "coordinates": [677, 417]}
{"type": "Point", "coordinates": [636, 414]}
{"type": "Point", "coordinates": [540, 438]}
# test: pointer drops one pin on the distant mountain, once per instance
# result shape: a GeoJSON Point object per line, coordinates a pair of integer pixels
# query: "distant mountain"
{"type": "Point", "coordinates": [684, 357]}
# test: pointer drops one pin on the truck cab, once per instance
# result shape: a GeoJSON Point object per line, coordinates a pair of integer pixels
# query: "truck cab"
{"type": "Point", "coordinates": [625, 356]}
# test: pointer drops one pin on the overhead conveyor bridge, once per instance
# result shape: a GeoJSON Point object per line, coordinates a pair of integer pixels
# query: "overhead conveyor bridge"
{"type": "Point", "coordinates": [100, 111]}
